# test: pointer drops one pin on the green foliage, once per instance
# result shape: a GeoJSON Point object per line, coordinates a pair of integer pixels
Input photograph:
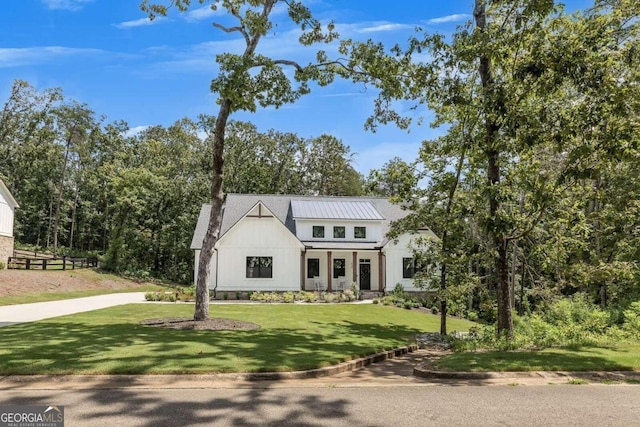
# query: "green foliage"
{"type": "Point", "coordinates": [567, 322]}
{"type": "Point", "coordinates": [160, 296]}
{"type": "Point", "coordinates": [632, 318]}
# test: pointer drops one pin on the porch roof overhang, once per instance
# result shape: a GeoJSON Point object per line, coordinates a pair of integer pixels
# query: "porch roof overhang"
{"type": "Point", "coordinates": [346, 246]}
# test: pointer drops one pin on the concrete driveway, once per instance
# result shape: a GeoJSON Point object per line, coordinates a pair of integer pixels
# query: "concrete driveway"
{"type": "Point", "coordinates": [21, 313]}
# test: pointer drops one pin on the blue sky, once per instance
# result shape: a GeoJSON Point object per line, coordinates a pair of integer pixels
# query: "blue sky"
{"type": "Point", "coordinates": [107, 54]}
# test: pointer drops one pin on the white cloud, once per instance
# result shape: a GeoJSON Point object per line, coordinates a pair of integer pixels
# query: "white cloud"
{"type": "Point", "coordinates": [65, 4]}
{"type": "Point", "coordinates": [16, 57]}
{"type": "Point", "coordinates": [458, 17]}
{"type": "Point", "coordinates": [142, 22]}
{"type": "Point", "coordinates": [135, 131]}
{"type": "Point", "coordinates": [203, 13]}
{"type": "Point", "coordinates": [384, 26]}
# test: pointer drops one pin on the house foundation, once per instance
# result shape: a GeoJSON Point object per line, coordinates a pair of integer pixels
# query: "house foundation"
{"type": "Point", "coordinates": [6, 250]}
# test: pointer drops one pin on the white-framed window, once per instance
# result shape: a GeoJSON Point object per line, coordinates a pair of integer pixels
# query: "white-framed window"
{"type": "Point", "coordinates": [360, 232]}
{"type": "Point", "coordinates": [318, 231]}
{"type": "Point", "coordinates": [259, 267]}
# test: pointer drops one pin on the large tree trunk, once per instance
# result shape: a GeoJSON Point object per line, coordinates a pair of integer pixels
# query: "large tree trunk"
{"type": "Point", "coordinates": [217, 199]}
{"type": "Point", "coordinates": [59, 199]}
{"type": "Point", "coordinates": [493, 104]}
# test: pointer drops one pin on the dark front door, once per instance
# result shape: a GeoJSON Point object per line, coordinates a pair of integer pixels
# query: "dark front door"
{"type": "Point", "coordinates": [365, 277]}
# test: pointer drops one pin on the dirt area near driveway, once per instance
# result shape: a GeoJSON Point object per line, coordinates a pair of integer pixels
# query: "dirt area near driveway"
{"type": "Point", "coordinates": [23, 282]}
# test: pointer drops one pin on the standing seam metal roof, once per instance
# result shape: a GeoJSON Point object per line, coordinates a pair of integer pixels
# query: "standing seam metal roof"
{"type": "Point", "coordinates": [322, 209]}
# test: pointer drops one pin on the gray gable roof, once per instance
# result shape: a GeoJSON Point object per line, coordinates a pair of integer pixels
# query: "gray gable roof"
{"type": "Point", "coordinates": [238, 205]}
{"type": "Point", "coordinates": [7, 195]}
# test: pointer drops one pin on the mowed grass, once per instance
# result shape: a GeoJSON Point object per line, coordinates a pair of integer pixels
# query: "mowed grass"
{"type": "Point", "coordinates": [621, 357]}
{"type": "Point", "coordinates": [292, 337]}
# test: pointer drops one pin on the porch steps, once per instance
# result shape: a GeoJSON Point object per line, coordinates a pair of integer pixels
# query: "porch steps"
{"type": "Point", "coordinates": [371, 294]}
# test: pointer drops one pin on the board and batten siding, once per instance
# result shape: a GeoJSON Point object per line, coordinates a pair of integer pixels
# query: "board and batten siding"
{"type": "Point", "coordinates": [304, 228]}
{"type": "Point", "coordinates": [257, 237]}
{"type": "Point", "coordinates": [6, 217]}
{"type": "Point", "coordinates": [394, 253]}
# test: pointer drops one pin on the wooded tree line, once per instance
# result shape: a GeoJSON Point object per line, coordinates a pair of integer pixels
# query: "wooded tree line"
{"type": "Point", "coordinates": [84, 185]}
{"type": "Point", "coordinates": [534, 189]}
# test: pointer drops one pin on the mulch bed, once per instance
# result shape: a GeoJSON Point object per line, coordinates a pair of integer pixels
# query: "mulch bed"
{"type": "Point", "coordinates": [214, 324]}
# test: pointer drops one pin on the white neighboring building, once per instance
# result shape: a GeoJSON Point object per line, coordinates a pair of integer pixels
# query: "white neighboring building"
{"type": "Point", "coordinates": [8, 206]}
{"type": "Point", "coordinates": [291, 243]}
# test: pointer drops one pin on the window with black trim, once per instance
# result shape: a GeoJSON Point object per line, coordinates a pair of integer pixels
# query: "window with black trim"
{"type": "Point", "coordinates": [360, 232]}
{"type": "Point", "coordinates": [410, 267]}
{"type": "Point", "coordinates": [318, 231]}
{"type": "Point", "coordinates": [313, 268]}
{"type": "Point", "coordinates": [339, 232]}
{"type": "Point", "coordinates": [259, 267]}
{"type": "Point", "coordinates": [339, 267]}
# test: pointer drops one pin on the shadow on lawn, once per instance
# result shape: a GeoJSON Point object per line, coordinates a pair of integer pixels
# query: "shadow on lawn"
{"type": "Point", "coordinates": [129, 348]}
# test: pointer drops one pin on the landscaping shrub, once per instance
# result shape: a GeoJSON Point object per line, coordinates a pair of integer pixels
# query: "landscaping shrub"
{"type": "Point", "coordinates": [328, 298]}
{"type": "Point", "coordinates": [288, 297]}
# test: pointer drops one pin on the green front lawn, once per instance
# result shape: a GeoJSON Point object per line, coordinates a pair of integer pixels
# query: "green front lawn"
{"type": "Point", "coordinates": [292, 337]}
{"type": "Point", "coordinates": [621, 357]}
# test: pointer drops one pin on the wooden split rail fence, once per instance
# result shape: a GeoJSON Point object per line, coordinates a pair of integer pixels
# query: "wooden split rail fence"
{"type": "Point", "coordinates": [24, 260]}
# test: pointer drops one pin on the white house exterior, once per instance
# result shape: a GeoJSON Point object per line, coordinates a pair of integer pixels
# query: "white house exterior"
{"type": "Point", "coordinates": [291, 243]}
{"type": "Point", "coordinates": [8, 206]}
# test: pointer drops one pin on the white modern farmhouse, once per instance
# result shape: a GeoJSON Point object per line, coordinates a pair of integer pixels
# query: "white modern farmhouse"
{"type": "Point", "coordinates": [290, 243]}
{"type": "Point", "coordinates": [7, 210]}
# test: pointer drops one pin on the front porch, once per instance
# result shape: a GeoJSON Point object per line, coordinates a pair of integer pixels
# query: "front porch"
{"type": "Point", "coordinates": [337, 270]}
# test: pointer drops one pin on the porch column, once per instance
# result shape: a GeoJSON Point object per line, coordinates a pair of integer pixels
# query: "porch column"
{"type": "Point", "coordinates": [329, 271]}
{"type": "Point", "coordinates": [302, 268]}
{"type": "Point", "coordinates": [355, 269]}
{"type": "Point", "coordinates": [381, 268]}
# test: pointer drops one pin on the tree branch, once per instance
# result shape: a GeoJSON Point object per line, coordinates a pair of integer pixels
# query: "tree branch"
{"type": "Point", "coordinates": [238, 29]}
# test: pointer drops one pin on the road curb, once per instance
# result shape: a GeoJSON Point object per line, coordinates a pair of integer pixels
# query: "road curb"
{"type": "Point", "coordinates": [423, 371]}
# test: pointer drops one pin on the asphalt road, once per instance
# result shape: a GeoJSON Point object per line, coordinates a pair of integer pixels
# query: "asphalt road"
{"type": "Point", "coordinates": [398, 405]}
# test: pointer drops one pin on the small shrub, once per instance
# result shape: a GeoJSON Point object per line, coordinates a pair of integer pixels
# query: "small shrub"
{"type": "Point", "coordinates": [472, 316]}
{"type": "Point", "coordinates": [398, 291]}
{"type": "Point", "coordinates": [306, 296]}
{"type": "Point", "coordinates": [225, 296]}
{"type": "Point", "coordinates": [150, 296]}
{"type": "Point", "coordinates": [349, 295]}
{"type": "Point", "coordinates": [355, 290]}
{"type": "Point", "coordinates": [376, 301]}
{"type": "Point", "coordinates": [329, 298]}
{"type": "Point", "coordinates": [2, 265]}
{"type": "Point", "coordinates": [238, 295]}
{"type": "Point", "coordinates": [434, 310]}
{"type": "Point", "coordinates": [288, 297]}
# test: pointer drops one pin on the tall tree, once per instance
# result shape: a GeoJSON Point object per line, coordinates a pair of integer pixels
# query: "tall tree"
{"type": "Point", "coordinates": [519, 82]}
{"type": "Point", "coordinates": [246, 81]}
